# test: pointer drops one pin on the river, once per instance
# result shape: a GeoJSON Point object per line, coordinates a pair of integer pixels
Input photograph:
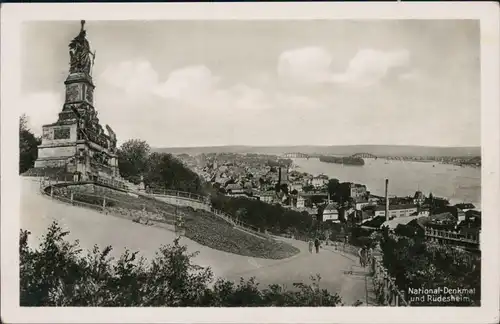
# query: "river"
{"type": "Point", "coordinates": [458, 184]}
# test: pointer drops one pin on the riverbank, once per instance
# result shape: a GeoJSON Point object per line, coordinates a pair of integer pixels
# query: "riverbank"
{"type": "Point", "coordinates": [458, 184]}
{"type": "Point", "coordinates": [342, 160]}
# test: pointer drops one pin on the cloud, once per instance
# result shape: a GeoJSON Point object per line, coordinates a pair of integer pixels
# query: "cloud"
{"type": "Point", "coordinates": [370, 66]}
{"type": "Point", "coordinates": [187, 82]}
{"type": "Point", "coordinates": [41, 108]}
{"type": "Point", "coordinates": [412, 75]}
{"type": "Point", "coordinates": [305, 65]}
{"type": "Point", "coordinates": [134, 77]}
{"type": "Point", "coordinates": [191, 86]}
{"type": "Point", "coordinates": [313, 65]}
{"type": "Point", "coordinates": [244, 97]}
{"type": "Point", "coordinates": [298, 102]}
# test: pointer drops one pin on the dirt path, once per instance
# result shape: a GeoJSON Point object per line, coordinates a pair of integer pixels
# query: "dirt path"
{"type": "Point", "coordinates": [91, 227]}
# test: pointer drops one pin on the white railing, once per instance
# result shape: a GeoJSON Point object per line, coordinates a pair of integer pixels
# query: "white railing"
{"type": "Point", "coordinates": [386, 290]}
{"type": "Point", "coordinates": [46, 183]}
{"type": "Point", "coordinates": [181, 194]}
{"type": "Point", "coordinates": [140, 213]}
{"type": "Point", "coordinates": [205, 200]}
{"type": "Point", "coordinates": [450, 235]}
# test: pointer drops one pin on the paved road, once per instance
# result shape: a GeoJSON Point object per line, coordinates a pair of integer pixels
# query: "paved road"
{"type": "Point", "coordinates": [91, 227]}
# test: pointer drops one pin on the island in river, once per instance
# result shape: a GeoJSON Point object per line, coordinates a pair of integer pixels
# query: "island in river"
{"type": "Point", "coordinates": [348, 160]}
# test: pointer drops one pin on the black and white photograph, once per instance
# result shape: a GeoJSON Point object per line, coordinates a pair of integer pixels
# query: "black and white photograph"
{"type": "Point", "coordinates": [228, 162]}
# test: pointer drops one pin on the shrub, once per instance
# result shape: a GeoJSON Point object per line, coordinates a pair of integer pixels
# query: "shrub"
{"type": "Point", "coordinates": [273, 218]}
{"type": "Point", "coordinates": [57, 274]}
{"type": "Point", "coordinates": [415, 263]}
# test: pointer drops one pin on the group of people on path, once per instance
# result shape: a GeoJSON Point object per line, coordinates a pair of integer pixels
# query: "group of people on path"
{"type": "Point", "coordinates": [316, 244]}
{"type": "Point", "coordinates": [365, 254]}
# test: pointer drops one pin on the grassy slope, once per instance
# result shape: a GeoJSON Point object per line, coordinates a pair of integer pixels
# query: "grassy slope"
{"type": "Point", "coordinates": [200, 226]}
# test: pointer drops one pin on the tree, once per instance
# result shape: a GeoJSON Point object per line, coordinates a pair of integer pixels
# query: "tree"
{"type": "Point", "coordinates": [413, 262]}
{"type": "Point", "coordinates": [28, 145]}
{"type": "Point", "coordinates": [132, 159]}
{"type": "Point", "coordinates": [332, 187]}
{"type": "Point", "coordinates": [307, 188]}
{"type": "Point", "coordinates": [241, 214]}
{"type": "Point", "coordinates": [59, 273]}
{"type": "Point", "coordinates": [164, 171]}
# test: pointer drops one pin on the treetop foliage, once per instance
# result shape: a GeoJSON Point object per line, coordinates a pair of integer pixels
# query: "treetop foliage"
{"type": "Point", "coordinates": [59, 273]}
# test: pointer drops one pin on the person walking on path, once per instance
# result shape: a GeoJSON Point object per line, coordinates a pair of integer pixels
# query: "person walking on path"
{"type": "Point", "coordinates": [316, 244]}
{"type": "Point", "coordinates": [369, 256]}
{"type": "Point", "coordinates": [311, 244]}
{"type": "Point", "coordinates": [361, 254]}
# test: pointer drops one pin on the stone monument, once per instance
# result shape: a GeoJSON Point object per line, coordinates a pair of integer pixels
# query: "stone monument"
{"type": "Point", "coordinates": [76, 142]}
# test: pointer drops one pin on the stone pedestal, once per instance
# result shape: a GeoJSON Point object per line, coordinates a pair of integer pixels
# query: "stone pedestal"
{"type": "Point", "coordinates": [77, 142]}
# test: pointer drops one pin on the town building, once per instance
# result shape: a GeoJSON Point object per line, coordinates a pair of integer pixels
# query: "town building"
{"type": "Point", "coordinates": [267, 197]}
{"type": "Point", "coordinates": [473, 215]}
{"type": "Point", "coordinates": [319, 181]}
{"type": "Point", "coordinates": [357, 191]}
{"type": "Point", "coordinates": [301, 202]}
{"type": "Point", "coordinates": [359, 205]}
{"type": "Point", "coordinates": [397, 210]}
{"type": "Point", "coordinates": [349, 190]}
{"type": "Point", "coordinates": [295, 186]}
{"type": "Point", "coordinates": [283, 175]}
{"type": "Point", "coordinates": [234, 189]}
{"type": "Point", "coordinates": [331, 213]}
{"type": "Point", "coordinates": [418, 198]}
{"type": "Point", "coordinates": [423, 212]}
{"type": "Point", "coordinates": [465, 206]}
{"type": "Point", "coordinates": [395, 222]}
{"type": "Point", "coordinates": [455, 211]}
{"type": "Point", "coordinates": [466, 239]}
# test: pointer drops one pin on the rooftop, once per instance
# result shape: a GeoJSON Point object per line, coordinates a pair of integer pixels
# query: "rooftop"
{"type": "Point", "coordinates": [331, 207]}
{"type": "Point", "coordinates": [393, 223]}
{"type": "Point", "coordinates": [396, 207]}
{"type": "Point", "coordinates": [233, 186]}
{"type": "Point", "coordinates": [418, 195]}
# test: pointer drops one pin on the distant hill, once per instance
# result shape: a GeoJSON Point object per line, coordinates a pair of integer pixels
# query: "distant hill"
{"type": "Point", "coordinates": [346, 150]}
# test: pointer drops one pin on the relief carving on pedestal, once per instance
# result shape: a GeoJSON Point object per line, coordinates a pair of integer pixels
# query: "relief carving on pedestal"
{"type": "Point", "coordinates": [89, 95]}
{"type": "Point", "coordinates": [100, 157]}
{"type": "Point", "coordinates": [62, 133]}
{"type": "Point", "coordinates": [47, 134]}
{"type": "Point", "coordinates": [73, 93]}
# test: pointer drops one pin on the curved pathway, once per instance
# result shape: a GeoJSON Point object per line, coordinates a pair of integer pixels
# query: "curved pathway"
{"type": "Point", "coordinates": [91, 227]}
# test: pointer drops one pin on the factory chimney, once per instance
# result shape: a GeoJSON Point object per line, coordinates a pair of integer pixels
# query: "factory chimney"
{"type": "Point", "coordinates": [279, 174]}
{"type": "Point", "coordinates": [386, 199]}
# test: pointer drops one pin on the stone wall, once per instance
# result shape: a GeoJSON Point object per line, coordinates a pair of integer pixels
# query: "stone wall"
{"type": "Point", "coordinates": [54, 152]}
{"type": "Point", "coordinates": [92, 189]}
{"type": "Point", "coordinates": [59, 134]}
{"type": "Point", "coordinates": [50, 163]}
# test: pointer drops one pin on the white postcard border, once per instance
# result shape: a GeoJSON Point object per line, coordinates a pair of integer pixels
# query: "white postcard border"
{"type": "Point", "coordinates": [12, 15]}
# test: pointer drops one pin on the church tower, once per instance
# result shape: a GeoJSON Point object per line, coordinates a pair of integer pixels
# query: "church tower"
{"type": "Point", "coordinates": [76, 142]}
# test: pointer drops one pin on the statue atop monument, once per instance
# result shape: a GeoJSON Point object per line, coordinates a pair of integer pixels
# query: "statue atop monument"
{"type": "Point", "coordinates": [81, 58]}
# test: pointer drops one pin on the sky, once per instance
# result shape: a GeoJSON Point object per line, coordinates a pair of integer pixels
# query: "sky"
{"type": "Point", "coordinates": [309, 82]}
